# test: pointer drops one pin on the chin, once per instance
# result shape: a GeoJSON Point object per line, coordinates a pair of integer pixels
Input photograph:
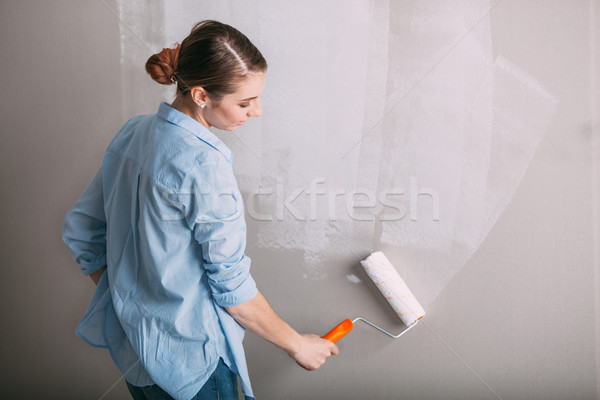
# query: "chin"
{"type": "Point", "coordinates": [227, 128]}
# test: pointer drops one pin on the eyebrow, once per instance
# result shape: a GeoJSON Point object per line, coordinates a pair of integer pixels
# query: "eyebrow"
{"type": "Point", "coordinates": [250, 98]}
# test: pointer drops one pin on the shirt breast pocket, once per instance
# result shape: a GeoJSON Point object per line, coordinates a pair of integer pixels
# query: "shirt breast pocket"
{"type": "Point", "coordinates": [226, 205]}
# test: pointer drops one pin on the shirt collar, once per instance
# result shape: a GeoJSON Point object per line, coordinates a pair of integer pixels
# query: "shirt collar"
{"type": "Point", "coordinates": [178, 118]}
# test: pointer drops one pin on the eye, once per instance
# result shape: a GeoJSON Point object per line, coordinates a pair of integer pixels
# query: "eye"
{"type": "Point", "coordinates": [245, 105]}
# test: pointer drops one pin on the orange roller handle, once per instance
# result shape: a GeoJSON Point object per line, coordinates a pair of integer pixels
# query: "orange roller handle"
{"type": "Point", "coordinates": [339, 331]}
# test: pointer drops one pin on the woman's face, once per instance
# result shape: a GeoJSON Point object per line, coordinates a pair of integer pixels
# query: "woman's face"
{"type": "Point", "coordinates": [235, 108]}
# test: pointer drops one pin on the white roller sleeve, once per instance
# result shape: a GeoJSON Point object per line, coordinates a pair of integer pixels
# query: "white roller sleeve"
{"type": "Point", "coordinates": [392, 286]}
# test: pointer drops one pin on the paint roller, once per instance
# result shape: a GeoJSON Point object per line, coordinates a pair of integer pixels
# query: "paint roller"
{"type": "Point", "coordinates": [393, 288]}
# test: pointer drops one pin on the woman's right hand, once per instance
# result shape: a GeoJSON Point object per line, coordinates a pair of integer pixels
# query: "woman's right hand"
{"type": "Point", "coordinates": [313, 351]}
{"type": "Point", "coordinates": [97, 274]}
{"type": "Point", "coordinates": [309, 351]}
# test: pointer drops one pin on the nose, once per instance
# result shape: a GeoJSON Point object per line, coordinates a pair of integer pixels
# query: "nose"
{"type": "Point", "coordinates": [255, 110]}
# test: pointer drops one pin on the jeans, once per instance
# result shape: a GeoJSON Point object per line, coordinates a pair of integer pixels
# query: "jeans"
{"type": "Point", "coordinates": [222, 385]}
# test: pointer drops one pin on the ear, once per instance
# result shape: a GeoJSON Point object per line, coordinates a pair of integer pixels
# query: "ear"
{"type": "Point", "coordinates": [198, 95]}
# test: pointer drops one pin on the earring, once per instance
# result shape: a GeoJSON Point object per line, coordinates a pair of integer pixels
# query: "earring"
{"type": "Point", "coordinates": [202, 106]}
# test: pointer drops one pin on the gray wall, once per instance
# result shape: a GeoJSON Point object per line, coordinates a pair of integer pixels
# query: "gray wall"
{"type": "Point", "coordinates": [490, 107]}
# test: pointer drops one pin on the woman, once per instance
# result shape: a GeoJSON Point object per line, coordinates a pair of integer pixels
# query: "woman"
{"type": "Point", "coordinates": [161, 231]}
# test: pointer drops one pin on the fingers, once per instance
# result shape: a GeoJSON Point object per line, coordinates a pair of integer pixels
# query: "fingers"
{"type": "Point", "coordinates": [310, 367]}
{"type": "Point", "coordinates": [334, 350]}
{"type": "Point", "coordinates": [315, 352]}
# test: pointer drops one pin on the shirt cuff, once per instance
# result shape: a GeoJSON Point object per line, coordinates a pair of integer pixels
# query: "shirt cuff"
{"type": "Point", "coordinates": [245, 292]}
{"type": "Point", "coordinates": [90, 268]}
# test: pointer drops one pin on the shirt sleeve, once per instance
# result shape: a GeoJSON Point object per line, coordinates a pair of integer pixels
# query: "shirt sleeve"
{"type": "Point", "coordinates": [84, 228]}
{"type": "Point", "coordinates": [214, 211]}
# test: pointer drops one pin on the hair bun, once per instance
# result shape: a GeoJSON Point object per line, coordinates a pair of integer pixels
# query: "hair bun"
{"type": "Point", "coordinates": [162, 66]}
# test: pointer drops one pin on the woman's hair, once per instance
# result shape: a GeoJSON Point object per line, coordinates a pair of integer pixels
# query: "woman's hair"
{"type": "Point", "coordinates": [215, 56]}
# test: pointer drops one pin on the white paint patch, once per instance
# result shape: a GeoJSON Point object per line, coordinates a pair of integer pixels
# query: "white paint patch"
{"type": "Point", "coordinates": [317, 101]}
{"type": "Point", "coordinates": [353, 278]}
{"type": "Point", "coordinates": [313, 265]}
{"type": "Point", "coordinates": [445, 141]}
{"type": "Point", "coordinates": [495, 158]}
{"type": "Point", "coordinates": [522, 111]}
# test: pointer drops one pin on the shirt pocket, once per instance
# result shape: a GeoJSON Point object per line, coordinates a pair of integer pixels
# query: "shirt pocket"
{"type": "Point", "coordinates": [226, 205]}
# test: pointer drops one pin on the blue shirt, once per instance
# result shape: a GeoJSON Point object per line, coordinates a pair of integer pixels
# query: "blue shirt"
{"type": "Point", "coordinates": [165, 214]}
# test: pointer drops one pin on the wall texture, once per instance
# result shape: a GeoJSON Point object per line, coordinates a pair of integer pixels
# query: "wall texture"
{"type": "Point", "coordinates": [459, 137]}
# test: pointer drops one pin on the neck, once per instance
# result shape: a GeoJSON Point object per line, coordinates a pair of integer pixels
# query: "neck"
{"type": "Point", "coordinates": [182, 104]}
